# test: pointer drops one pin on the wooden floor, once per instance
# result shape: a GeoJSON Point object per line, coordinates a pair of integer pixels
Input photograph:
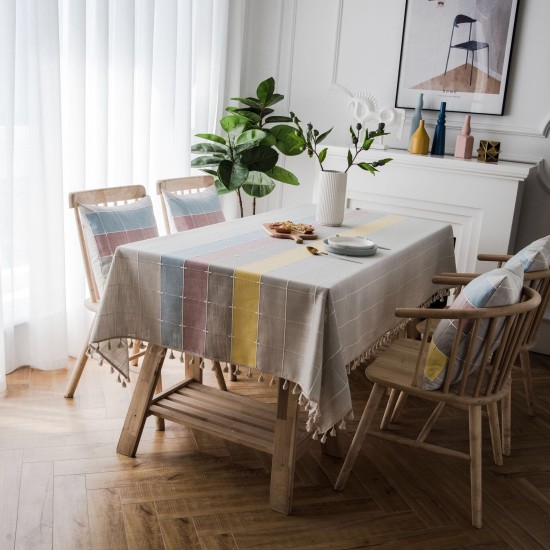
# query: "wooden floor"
{"type": "Point", "coordinates": [62, 485]}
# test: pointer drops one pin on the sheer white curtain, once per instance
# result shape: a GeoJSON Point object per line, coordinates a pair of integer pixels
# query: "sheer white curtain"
{"type": "Point", "coordinates": [93, 93]}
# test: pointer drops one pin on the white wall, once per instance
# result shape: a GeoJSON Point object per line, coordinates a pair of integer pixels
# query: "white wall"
{"type": "Point", "coordinates": [308, 44]}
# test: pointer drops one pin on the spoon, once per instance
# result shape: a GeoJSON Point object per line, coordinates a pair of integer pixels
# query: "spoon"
{"type": "Point", "coordinates": [317, 252]}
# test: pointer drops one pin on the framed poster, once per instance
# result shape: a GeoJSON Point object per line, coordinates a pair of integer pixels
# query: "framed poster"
{"type": "Point", "coordinates": [456, 51]}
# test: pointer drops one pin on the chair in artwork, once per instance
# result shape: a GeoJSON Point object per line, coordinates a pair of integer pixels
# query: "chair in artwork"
{"type": "Point", "coordinates": [105, 219]}
{"type": "Point", "coordinates": [188, 203]}
{"type": "Point", "coordinates": [467, 363]}
{"type": "Point", "coordinates": [469, 46]}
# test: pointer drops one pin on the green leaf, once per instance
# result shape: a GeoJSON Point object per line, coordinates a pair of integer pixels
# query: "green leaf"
{"type": "Point", "coordinates": [212, 137]}
{"type": "Point", "coordinates": [220, 188]}
{"type": "Point", "coordinates": [280, 174]}
{"type": "Point", "coordinates": [275, 98]}
{"type": "Point", "coordinates": [206, 161]}
{"type": "Point", "coordinates": [258, 185]}
{"type": "Point", "coordinates": [208, 148]}
{"type": "Point", "coordinates": [232, 175]}
{"type": "Point", "coordinates": [323, 155]}
{"type": "Point", "coordinates": [231, 123]}
{"type": "Point", "coordinates": [250, 136]}
{"type": "Point", "coordinates": [352, 132]}
{"type": "Point", "coordinates": [260, 158]}
{"type": "Point", "coordinates": [350, 157]}
{"type": "Point", "coordinates": [286, 140]}
{"type": "Point", "coordinates": [278, 119]}
{"type": "Point", "coordinates": [265, 90]}
{"type": "Point", "coordinates": [323, 136]}
{"type": "Point", "coordinates": [384, 161]}
{"type": "Point", "coordinates": [367, 166]}
{"type": "Point", "coordinates": [250, 114]}
{"type": "Point", "coordinates": [367, 143]}
{"type": "Point", "coordinates": [211, 172]}
{"type": "Point", "coordinates": [269, 140]}
{"type": "Point", "coordinates": [250, 101]}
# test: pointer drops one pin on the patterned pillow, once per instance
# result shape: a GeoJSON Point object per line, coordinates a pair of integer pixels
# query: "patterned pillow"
{"type": "Point", "coordinates": [193, 210]}
{"type": "Point", "coordinates": [534, 257]}
{"type": "Point", "coordinates": [499, 287]}
{"type": "Point", "coordinates": [107, 227]}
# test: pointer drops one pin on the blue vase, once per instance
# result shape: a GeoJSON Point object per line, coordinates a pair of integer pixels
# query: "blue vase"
{"type": "Point", "coordinates": [438, 143]}
{"type": "Point", "coordinates": [417, 115]}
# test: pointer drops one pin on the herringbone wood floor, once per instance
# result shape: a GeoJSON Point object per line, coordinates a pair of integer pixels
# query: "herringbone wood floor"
{"type": "Point", "coordinates": [62, 485]}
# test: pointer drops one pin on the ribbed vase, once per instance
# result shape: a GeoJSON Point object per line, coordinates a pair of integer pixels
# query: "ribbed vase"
{"type": "Point", "coordinates": [332, 198]}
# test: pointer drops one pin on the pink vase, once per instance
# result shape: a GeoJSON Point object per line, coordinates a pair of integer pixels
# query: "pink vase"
{"type": "Point", "coordinates": [464, 142]}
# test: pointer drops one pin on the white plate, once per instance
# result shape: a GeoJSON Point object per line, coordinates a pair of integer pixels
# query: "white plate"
{"type": "Point", "coordinates": [343, 251]}
{"type": "Point", "coordinates": [351, 242]}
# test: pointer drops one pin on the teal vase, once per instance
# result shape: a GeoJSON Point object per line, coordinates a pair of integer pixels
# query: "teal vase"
{"type": "Point", "coordinates": [438, 143]}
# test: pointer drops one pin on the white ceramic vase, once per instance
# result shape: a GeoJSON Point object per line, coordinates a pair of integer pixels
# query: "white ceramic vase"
{"type": "Point", "coordinates": [332, 197]}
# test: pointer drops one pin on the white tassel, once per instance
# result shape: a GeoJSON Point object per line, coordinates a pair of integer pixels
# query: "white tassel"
{"type": "Point", "coordinates": [201, 364]}
{"type": "Point", "coordinates": [171, 356]}
{"type": "Point", "coordinates": [342, 425]}
{"type": "Point", "coordinates": [181, 357]}
{"type": "Point", "coordinates": [120, 344]}
{"type": "Point", "coordinates": [109, 344]}
{"type": "Point", "coordinates": [301, 399]}
{"type": "Point", "coordinates": [332, 432]}
{"type": "Point", "coordinates": [315, 435]}
{"type": "Point", "coordinates": [118, 378]}
{"type": "Point", "coordinates": [112, 369]}
{"type": "Point", "coordinates": [124, 383]}
{"type": "Point", "coordinates": [261, 378]}
{"type": "Point", "coordinates": [272, 381]}
{"type": "Point", "coordinates": [295, 389]}
{"type": "Point", "coordinates": [249, 373]}
{"type": "Point", "coordinates": [324, 438]}
{"type": "Point", "coordinates": [285, 385]}
{"type": "Point", "coordinates": [226, 368]}
{"type": "Point", "coordinates": [101, 362]}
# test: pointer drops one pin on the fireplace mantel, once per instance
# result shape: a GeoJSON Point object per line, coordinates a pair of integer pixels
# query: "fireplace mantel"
{"type": "Point", "coordinates": [481, 201]}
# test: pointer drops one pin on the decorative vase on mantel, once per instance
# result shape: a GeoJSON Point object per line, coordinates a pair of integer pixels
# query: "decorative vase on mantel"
{"type": "Point", "coordinates": [332, 197]}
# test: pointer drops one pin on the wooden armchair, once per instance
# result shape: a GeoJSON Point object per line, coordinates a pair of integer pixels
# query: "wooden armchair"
{"type": "Point", "coordinates": [111, 196]}
{"type": "Point", "coordinates": [400, 369]}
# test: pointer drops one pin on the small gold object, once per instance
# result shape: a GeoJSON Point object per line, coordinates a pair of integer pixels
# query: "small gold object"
{"type": "Point", "coordinates": [488, 151]}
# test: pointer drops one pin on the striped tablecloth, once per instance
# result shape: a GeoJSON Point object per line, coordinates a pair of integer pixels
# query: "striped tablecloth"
{"type": "Point", "coordinates": [231, 292]}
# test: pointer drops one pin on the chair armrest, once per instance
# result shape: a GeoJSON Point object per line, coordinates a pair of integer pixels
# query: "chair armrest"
{"type": "Point", "coordinates": [499, 258]}
{"type": "Point", "coordinates": [454, 279]}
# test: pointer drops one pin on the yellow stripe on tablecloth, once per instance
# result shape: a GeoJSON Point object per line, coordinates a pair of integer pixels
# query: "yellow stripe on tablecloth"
{"type": "Point", "coordinates": [246, 290]}
{"type": "Point", "coordinates": [246, 302]}
{"type": "Point", "coordinates": [366, 228]}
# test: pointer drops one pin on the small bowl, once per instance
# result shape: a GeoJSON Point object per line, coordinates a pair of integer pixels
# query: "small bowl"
{"type": "Point", "coordinates": [355, 243]}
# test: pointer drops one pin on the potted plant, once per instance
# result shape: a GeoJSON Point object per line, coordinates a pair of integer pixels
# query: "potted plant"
{"type": "Point", "coordinates": [332, 184]}
{"type": "Point", "coordinates": [244, 160]}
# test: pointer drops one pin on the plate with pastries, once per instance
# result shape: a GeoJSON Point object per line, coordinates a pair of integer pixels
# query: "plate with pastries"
{"type": "Point", "coordinates": [290, 230]}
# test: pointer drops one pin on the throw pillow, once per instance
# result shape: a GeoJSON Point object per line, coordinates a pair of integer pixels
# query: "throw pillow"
{"type": "Point", "coordinates": [107, 227]}
{"type": "Point", "coordinates": [193, 210]}
{"type": "Point", "coordinates": [534, 257]}
{"type": "Point", "coordinates": [499, 287]}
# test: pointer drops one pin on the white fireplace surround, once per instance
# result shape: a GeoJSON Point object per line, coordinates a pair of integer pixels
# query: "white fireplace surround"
{"type": "Point", "coordinates": [480, 200]}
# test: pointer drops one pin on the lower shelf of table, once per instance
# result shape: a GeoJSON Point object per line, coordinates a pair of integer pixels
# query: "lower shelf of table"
{"type": "Point", "coordinates": [223, 414]}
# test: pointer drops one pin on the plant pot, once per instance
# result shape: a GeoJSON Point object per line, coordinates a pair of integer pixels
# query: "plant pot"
{"type": "Point", "coordinates": [332, 197]}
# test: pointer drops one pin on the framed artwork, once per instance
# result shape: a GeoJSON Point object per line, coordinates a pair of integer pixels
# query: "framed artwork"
{"type": "Point", "coordinates": [457, 51]}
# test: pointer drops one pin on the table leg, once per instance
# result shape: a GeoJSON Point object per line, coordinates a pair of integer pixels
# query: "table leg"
{"type": "Point", "coordinates": [284, 452]}
{"type": "Point", "coordinates": [141, 400]}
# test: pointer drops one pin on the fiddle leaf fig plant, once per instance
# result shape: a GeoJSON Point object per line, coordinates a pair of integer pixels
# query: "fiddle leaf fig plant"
{"type": "Point", "coordinates": [361, 139]}
{"type": "Point", "coordinates": [245, 158]}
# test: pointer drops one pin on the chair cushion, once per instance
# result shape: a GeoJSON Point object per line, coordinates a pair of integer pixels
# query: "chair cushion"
{"type": "Point", "coordinates": [499, 287]}
{"type": "Point", "coordinates": [107, 227]}
{"type": "Point", "coordinates": [534, 257]}
{"type": "Point", "coordinates": [193, 210]}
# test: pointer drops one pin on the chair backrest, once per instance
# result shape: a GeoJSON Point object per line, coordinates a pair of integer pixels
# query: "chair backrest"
{"type": "Point", "coordinates": [181, 186]}
{"type": "Point", "coordinates": [110, 196]}
{"type": "Point", "coordinates": [539, 281]}
{"type": "Point", "coordinates": [485, 345]}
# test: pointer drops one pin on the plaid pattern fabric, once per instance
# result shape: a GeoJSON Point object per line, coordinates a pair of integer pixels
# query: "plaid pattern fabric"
{"type": "Point", "coordinates": [500, 287]}
{"type": "Point", "coordinates": [193, 210]}
{"type": "Point", "coordinates": [108, 227]}
{"type": "Point", "coordinates": [534, 257]}
{"type": "Point", "coordinates": [232, 293]}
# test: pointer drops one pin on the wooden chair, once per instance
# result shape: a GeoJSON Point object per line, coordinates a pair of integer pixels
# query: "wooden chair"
{"type": "Point", "coordinates": [401, 369]}
{"type": "Point", "coordinates": [110, 196]}
{"type": "Point", "coordinates": [186, 186]}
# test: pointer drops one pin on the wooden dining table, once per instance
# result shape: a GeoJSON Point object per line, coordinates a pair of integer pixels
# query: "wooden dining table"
{"type": "Point", "coordinates": [232, 293]}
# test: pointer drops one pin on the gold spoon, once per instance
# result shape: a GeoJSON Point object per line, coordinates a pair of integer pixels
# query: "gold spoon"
{"type": "Point", "coordinates": [317, 252]}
